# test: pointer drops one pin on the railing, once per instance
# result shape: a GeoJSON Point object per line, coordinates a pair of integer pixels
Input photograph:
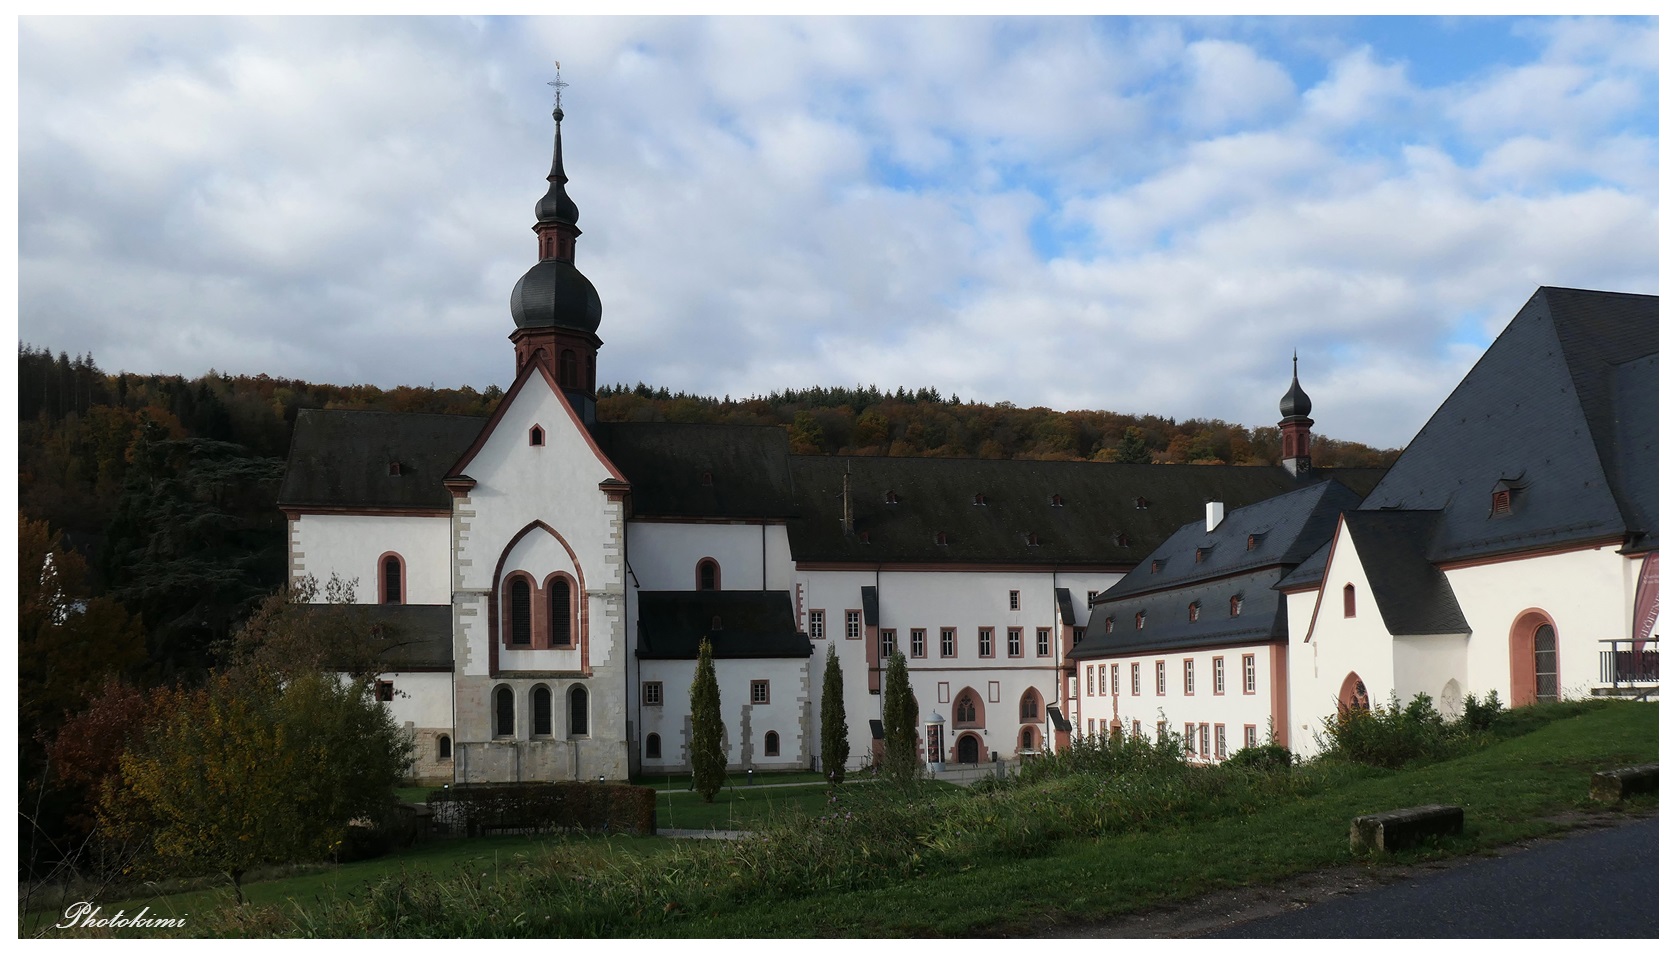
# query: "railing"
{"type": "Point", "coordinates": [1624, 666]}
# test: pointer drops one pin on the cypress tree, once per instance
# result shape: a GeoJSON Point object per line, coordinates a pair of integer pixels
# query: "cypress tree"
{"type": "Point", "coordinates": [709, 759]}
{"type": "Point", "coordinates": [900, 718]}
{"type": "Point", "coordinates": [834, 723]}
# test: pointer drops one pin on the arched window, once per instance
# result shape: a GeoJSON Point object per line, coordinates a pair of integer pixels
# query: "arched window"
{"type": "Point", "coordinates": [520, 616]}
{"type": "Point", "coordinates": [444, 748]}
{"type": "Point", "coordinates": [1027, 740]}
{"type": "Point", "coordinates": [391, 586]}
{"type": "Point", "coordinates": [505, 720]}
{"type": "Point", "coordinates": [566, 369]}
{"type": "Point", "coordinates": [654, 746]}
{"type": "Point", "coordinates": [559, 610]}
{"type": "Point", "coordinates": [578, 711]}
{"type": "Point", "coordinates": [1348, 601]}
{"type": "Point", "coordinates": [771, 743]}
{"type": "Point", "coordinates": [708, 575]}
{"type": "Point", "coordinates": [540, 705]}
{"type": "Point", "coordinates": [1029, 708]}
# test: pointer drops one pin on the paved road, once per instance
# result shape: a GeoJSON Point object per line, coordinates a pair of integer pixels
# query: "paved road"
{"type": "Point", "coordinates": [1600, 884]}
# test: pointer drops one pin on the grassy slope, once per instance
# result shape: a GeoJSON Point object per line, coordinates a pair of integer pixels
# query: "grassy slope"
{"type": "Point", "coordinates": [1508, 792]}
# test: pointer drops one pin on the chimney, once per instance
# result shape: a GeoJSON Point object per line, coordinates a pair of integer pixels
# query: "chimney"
{"type": "Point", "coordinates": [1213, 512]}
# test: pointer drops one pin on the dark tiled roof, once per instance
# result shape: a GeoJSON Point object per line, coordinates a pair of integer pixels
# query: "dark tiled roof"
{"type": "Point", "coordinates": [1097, 504]}
{"type": "Point", "coordinates": [869, 604]}
{"type": "Point", "coordinates": [1286, 530]}
{"type": "Point", "coordinates": [1168, 625]}
{"type": "Point", "coordinates": [408, 637]}
{"type": "Point", "coordinates": [702, 470]}
{"type": "Point", "coordinates": [1413, 596]}
{"type": "Point", "coordinates": [343, 458]}
{"type": "Point", "coordinates": [1540, 411]}
{"type": "Point", "coordinates": [754, 624]}
{"type": "Point", "coordinates": [1635, 398]}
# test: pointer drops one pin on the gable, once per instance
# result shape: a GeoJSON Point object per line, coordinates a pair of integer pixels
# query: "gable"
{"type": "Point", "coordinates": [510, 453]}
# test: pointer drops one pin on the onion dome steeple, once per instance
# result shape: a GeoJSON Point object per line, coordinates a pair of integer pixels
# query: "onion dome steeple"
{"type": "Point", "coordinates": [556, 309]}
{"type": "Point", "coordinates": [1295, 429]}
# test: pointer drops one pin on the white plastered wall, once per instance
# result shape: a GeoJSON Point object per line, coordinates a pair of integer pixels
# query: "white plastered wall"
{"type": "Point", "coordinates": [1118, 706]}
{"type": "Point", "coordinates": [349, 546]}
{"type": "Point", "coordinates": [1325, 646]}
{"type": "Point", "coordinates": [784, 713]}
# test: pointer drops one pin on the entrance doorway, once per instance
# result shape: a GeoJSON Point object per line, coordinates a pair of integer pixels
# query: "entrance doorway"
{"type": "Point", "coordinates": [967, 749]}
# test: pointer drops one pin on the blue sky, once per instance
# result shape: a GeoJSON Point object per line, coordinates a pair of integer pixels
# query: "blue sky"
{"type": "Point", "coordinates": [1141, 215]}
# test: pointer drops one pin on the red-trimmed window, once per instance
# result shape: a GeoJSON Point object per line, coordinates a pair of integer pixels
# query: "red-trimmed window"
{"type": "Point", "coordinates": [886, 644]}
{"type": "Point", "coordinates": [985, 642]}
{"type": "Point", "coordinates": [708, 575]}
{"type": "Point", "coordinates": [1348, 601]}
{"type": "Point", "coordinates": [521, 618]}
{"type": "Point", "coordinates": [537, 436]}
{"type": "Point", "coordinates": [1190, 675]}
{"type": "Point", "coordinates": [1220, 742]}
{"type": "Point", "coordinates": [1029, 708]}
{"type": "Point", "coordinates": [385, 691]}
{"type": "Point", "coordinates": [560, 610]}
{"type": "Point", "coordinates": [1162, 677]}
{"type": "Point", "coordinates": [392, 579]}
{"type": "Point", "coordinates": [1190, 738]}
{"type": "Point", "coordinates": [1249, 675]}
{"type": "Point", "coordinates": [950, 643]}
{"type": "Point", "coordinates": [771, 743]}
{"type": "Point", "coordinates": [1249, 736]}
{"type": "Point", "coordinates": [1133, 678]}
{"type": "Point", "coordinates": [1220, 675]}
{"type": "Point", "coordinates": [1043, 642]}
{"type": "Point", "coordinates": [1139, 620]}
{"type": "Point", "coordinates": [917, 642]}
{"type": "Point", "coordinates": [1193, 611]}
{"type": "Point", "coordinates": [1236, 606]}
{"type": "Point", "coordinates": [851, 624]}
{"type": "Point", "coordinates": [1014, 642]}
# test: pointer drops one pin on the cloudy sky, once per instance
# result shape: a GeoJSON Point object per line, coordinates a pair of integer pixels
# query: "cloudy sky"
{"type": "Point", "coordinates": [1142, 215]}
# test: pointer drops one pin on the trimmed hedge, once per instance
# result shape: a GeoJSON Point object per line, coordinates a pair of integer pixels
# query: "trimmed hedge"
{"type": "Point", "coordinates": [478, 809]}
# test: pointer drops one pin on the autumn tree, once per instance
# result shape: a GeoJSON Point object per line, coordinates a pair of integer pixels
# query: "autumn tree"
{"type": "Point", "coordinates": [900, 722]}
{"type": "Point", "coordinates": [709, 758]}
{"type": "Point", "coordinates": [315, 628]}
{"type": "Point", "coordinates": [834, 722]}
{"type": "Point", "coordinates": [246, 771]}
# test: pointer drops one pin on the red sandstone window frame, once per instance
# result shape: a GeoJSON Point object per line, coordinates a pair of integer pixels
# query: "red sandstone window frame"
{"type": "Point", "coordinates": [713, 583]}
{"type": "Point", "coordinates": [917, 646]}
{"type": "Point", "coordinates": [1348, 601]}
{"type": "Point", "coordinates": [1133, 677]}
{"type": "Point", "coordinates": [1188, 675]}
{"type": "Point", "coordinates": [1249, 674]}
{"type": "Point", "coordinates": [985, 641]}
{"type": "Point", "coordinates": [1219, 666]}
{"type": "Point", "coordinates": [1162, 678]}
{"type": "Point", "coordinates": [1043, 642]}
{"type": "Point", "coordinates": [400, 594]}
{"type": "Point", "coordinates": [567, 636]}
{"type": "Point", "coordinates": [886, 644]}
{"type": "Point", "coordinates": [1014, 641]}
{"type": "Point", "coordinates": [949, 641]}
{"type": "Point", "coordinates": [851, 624]}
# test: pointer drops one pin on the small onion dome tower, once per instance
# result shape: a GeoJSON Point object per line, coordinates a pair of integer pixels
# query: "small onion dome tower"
{"type": "Point", "coordinates": [555, 307]}
{"type": "Point", "coordinates": [1295, 429]}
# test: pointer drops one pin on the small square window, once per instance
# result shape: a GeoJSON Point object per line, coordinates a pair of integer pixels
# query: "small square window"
{"type": "Point", "coordinates": [653, 693]}
{"type": "Point", "coordinates": [758, 692]}
{"type": "Point", "coordinates": [386, 691]}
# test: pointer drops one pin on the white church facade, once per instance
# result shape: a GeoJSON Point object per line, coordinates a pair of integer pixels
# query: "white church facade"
{"type": "Point", "coordinates": [552, 576]}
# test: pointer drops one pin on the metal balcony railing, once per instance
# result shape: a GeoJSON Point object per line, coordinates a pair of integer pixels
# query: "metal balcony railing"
{"type": "Point", "coordinates": [1624, 666]}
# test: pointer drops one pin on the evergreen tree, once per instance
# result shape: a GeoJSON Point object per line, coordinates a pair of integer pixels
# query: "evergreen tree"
{"type": "Point", "coordinates": [709, 759]}
{"type": "Point", "coordinates": [834, 723]}
{"type": "Point", "coordinates": [900, 718]}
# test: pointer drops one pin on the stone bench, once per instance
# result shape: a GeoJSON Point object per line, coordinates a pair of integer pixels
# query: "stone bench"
{"type": "Point", "coordinates": [1393, 830]}
{"type": "Point", "coordinates": [1612, 786]}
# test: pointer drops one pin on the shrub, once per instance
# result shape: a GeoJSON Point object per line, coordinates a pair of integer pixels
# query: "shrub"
{"type": "Point", "coordinates": [1268, 757]}
{"type": "Point", "coordinates": [1481, 715]}
{"type": "Point", "coordinates": [546, 806]}
{"type": "Point", "coordinates": [1390, 736]}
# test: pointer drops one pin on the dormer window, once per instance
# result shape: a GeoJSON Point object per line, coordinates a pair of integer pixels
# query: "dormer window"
{"type": "Point", "coordinates": [1193, 610]}
{"type": "Point", "coordinates": [1057, 500]}
{"type": "Point", "coordinates": [1140, 503]}
{"type": "Point", "coordinates": [1139, 620]}
{"type": "Point", "coordinates": [1250, 543]}
{"type": "Point", "coordinates": [394, 469]}
{"type": "Point", "coordinates": [715, 624]}
{"type": "Point", "coordinates": [1031, 539]}
{"type": "Point", "coordinates": [1198, 556]}
{"type": "Point", "coordinates": [941, 539]}
{"type": "Point", "coordinates": [1505, 494]}
{"type": "Point", "coordinates": [890, 497]}
{"type": "Point", "coordinates": [1236, 607]}
{"type": "Point", "coordinates": [865, 536]}
{"type": "Point", "coordinates": [1502, 502]}
{"type": "Point", "coordinates": [1156, 566]}
{"type": "Point", "coordinates": [1110, 624]}
{"type": "Point", "coordinates": [1122, 540]}
{"type": "Point", "coordinates": [981, 499]}
{"type": "Point", "coordinates": [706, 478]}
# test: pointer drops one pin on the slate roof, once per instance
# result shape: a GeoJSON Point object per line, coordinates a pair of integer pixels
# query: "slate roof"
{"type": "Point", "coordinates": [1097, 504]}
{"type": "Point", "coordinates": [747, 468]}
{"type": "Point", "coordinates": [1561, 406]}
{"type": "Point", "coordinates": [1413, 596]}
{"type": "Point", "coordinates": [754, 624]}
{"type": "Point", "coordinates": [342, 458]}
{"type": "Point", "coordinates": [415, 638]}
{"type": "Point", "coordinates": [1287, 529]}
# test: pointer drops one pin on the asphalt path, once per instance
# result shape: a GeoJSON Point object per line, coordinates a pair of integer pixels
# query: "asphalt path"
{"type": "Point", "coordinates": [1599, 884]}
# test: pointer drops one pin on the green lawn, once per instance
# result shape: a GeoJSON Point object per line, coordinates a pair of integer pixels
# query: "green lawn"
{"type": "Point", "coordinates": [971, 878]}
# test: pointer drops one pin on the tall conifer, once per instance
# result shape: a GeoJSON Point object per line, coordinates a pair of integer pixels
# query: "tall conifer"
{"type": "Point", "coordinates": [900, 717]}
{"type": "Point", "coordinates": [834, 722]}
{"type": "Point", "coordinates": [709, 759]}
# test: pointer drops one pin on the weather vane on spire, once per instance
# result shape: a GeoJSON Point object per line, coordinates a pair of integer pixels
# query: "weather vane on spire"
{"type": "Point", "coordinates": [557, 85]}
